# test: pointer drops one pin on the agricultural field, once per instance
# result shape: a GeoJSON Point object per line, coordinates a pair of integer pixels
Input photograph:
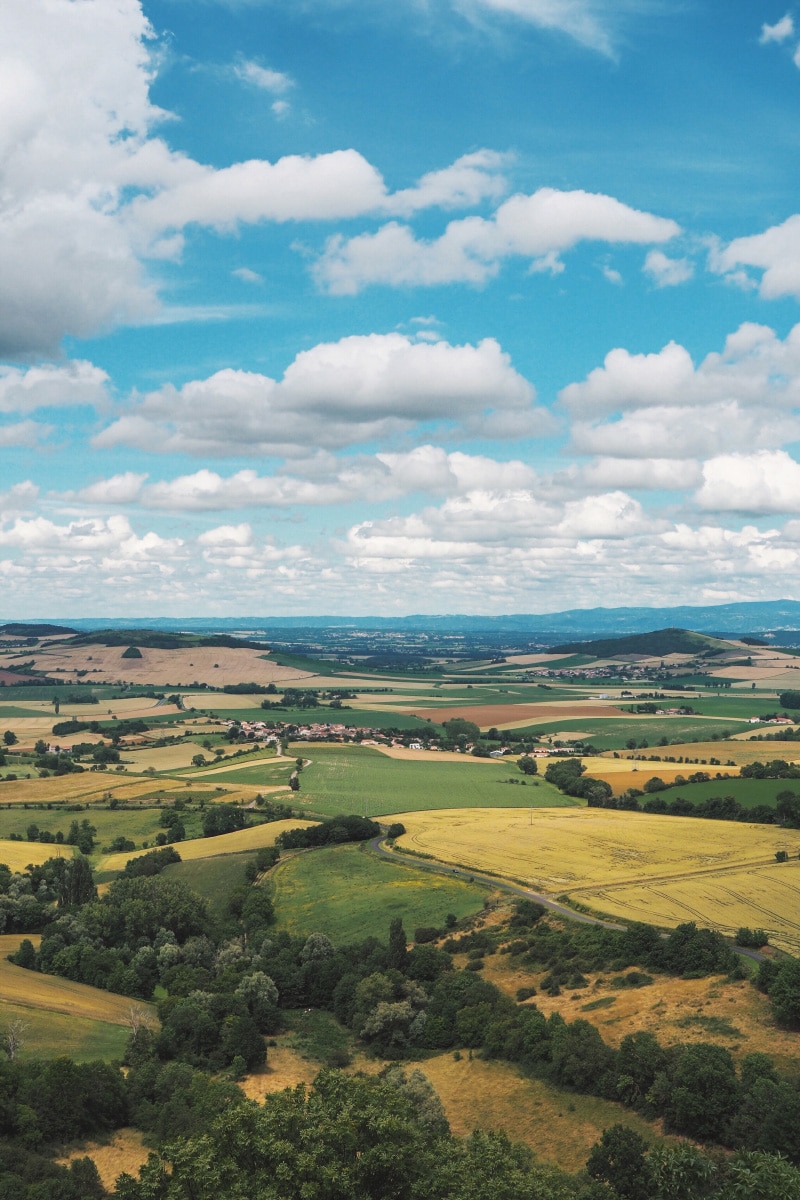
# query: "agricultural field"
{"type": "Point", "coordinates": [348, 779]}
{"type": "Point", "coordinates": [62, 1017]}
{"type": "Point", "coordinates": [349, 895]}
{"type": "Point", "coordinates": [664, 870]}
{"type": "Point", "coordinates": [213, 878]}
{"type": "Point", "coordinates": [765, 895]}
{"type": "Point", "coordinates": [210, 847]}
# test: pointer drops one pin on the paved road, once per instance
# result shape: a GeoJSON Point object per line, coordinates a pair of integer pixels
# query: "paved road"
{"type": "Point", "coordinates": [500, 885]}
{"type": "Point", "coordinates": [516, 889]}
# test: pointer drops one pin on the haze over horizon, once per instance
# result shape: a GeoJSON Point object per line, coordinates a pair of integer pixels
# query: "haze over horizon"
{"type": "Point", "coordinates": [479, 306]}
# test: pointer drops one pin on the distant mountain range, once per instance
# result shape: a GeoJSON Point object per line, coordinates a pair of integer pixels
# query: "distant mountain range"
{"type": "Point", "coordinates": [777, 620]}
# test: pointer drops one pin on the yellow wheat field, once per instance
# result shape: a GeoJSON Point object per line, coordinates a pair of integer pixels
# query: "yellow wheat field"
{"type": "Point", "coordinates": [664, 870]}
{"type": "Point", "coordinates": [767, 897]}
{"type": "Point", "coordinates": [53, 994]}
{"type": "Point", "coordinates": [226, 843]}
{"type": "Point", "coordinates": [17, 855]}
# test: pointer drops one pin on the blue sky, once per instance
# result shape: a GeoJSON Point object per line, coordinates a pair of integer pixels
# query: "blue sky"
{"type": "Point", "coordinates": [433, 306]}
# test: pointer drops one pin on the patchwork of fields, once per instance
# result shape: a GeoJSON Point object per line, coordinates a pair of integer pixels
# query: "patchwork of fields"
{"type": "Point", "coordinates": [663, 870]}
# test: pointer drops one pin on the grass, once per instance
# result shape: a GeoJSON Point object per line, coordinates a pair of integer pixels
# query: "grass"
{"type": "Point", "coordinates": [349, 894]}
{"type": "Point", "coordinates": [212, 878]}
{"type": "Point", "coordinates": [747, 792]}
{"type": "Point", "coordinates": [50, 1034]}
{"type": "Point", "coordinates": [347, 779]}
{"type": "Point", "coordinates": [719, 1026]}
{"type": "Point", "coordinates": [561, 1127]}
{"type": "Point", "coordinates": [611, 733]}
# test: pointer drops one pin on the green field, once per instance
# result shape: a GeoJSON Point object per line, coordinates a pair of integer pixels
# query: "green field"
{"type": "Point", "coordinates": [748, 792]}
{"type": "Point", "coordinates": [611, 733]}
{"type": "Point", "coordinates": [213, 878]}
{"type": "Point", "coordinates": [349, 894]}
{"type": "Point", "coordinates": [352, 779]}
{"type": "Point", "coordinates": [138, 824]}
{"type": "Point", "coordinates": [51, 1034]}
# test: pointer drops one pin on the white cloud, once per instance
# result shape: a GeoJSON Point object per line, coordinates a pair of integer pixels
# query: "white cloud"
{"type": "Point", "coordinates": [265, 78]}
{"type": "Point", "coordinates": [89, 195]}
{"type": "Point", "coordinates": [24, 433]}
{"type": "Point", "coordinates": [778, 32]}
{"type": "Point", "coordinates": [667, 272]}
{"type": "Point", "coordinates": [358, 389]}
{"type": "Point", "coordinates": [661, 405]}
{"type": "Point", "coordinates": [120, 489]}
{"type": "Point", "coordinates": [587, 21]}
{"type": "Point", "coordinates": [247, 276]}
{"type": "Point", "coordinates": [638, 474]}
{"type": "Point", "coordinates": [765, 482]}
{"type": "Point", "coordinates": [51, 387]}
{"type": "Point", "coordinates": [776, 252]}
{"type": "Point", "coordinates": [539, 227]}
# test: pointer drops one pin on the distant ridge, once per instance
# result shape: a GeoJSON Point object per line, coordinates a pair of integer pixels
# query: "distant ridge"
{"type": "Point", "coordinates": [779, 619]}
{"type": "Point", "coordinates": [658, 643]}
{"type": "Point", "coordinates": [21, 629]}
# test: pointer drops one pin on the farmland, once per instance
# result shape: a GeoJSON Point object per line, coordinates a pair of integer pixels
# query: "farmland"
{"type": "Point", "coordinates": [349, 779]}
{"type": "Point", "coordinates": [350, 895]}
{"type": "Point", "coordinates": [241, 841]}
{"type": "Point", "coordinates": [663, 870]}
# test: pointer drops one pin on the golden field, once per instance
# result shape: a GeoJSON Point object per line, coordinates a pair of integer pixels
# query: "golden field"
{"type": "Point", "coordinates": [664, 870]}
{"type": "Point", "coordinates": [238, 842]}
{"type": "Point", "coordinates": [53, 994]}
{"type": "Point", "coordinates": [764, 896]}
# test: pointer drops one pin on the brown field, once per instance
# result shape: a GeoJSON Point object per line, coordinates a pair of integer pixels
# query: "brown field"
{"type": "Point", "coordinates": [124, 1153]}
{"type": "Point", "coordinates": [668, 1008]}
{"type": "Point", "coordinates": [560, 1128]}
{"type": "Point", "coordinates": [285, 1069]}
{"type": "Point", "coordinates": [509, 716]}
{"type": "Point", "coordinates": [216, 665]}
{"type": "Point", "coordinates": [32, 990]}
{"type": "Point", "coordinates": [664, 870]}
{"type": "Point", "coordinates": [226, 843]}
{"type": "Point", "coordinates": [622, 774]}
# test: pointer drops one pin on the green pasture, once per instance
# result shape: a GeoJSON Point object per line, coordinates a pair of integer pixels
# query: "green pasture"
{"type": "Point", "coordinates": [748, 792]}
{"type": "Point", "coordinates": [353, 779]}
{"type": "Point", "coordinates": [612, 733]}
{"type": "Point", "coordinates": [52, 1034]}
{"type": "Point", "coordinates": [212, 878]}
{"type": "Point", "coordinates": [263, 772]}
{"type": "Point", "coordinates": [9, 712]}
{"type": "Point", "coordinates": [138, 824]}
{"type": "Point", "coordinates": [349, 894]}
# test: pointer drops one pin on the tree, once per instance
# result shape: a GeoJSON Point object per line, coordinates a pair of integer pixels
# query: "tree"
{"type": "Point", "coordinates": [10, 738]}
{"type": "Point", "coordinates": [458, 731]}
{"type": "Point", "coordinates": [619, 1159]}
{"type": "Point", "coordinates": [784, 993]}
{"type": "Point", "coordinates": [198, 760]}
{"type": "Point", "coordinates": [14, 1038]}
{"type": "Point", "coordinates": [398, 944]}
{"type": "Point", "coordinates": [528, 765]}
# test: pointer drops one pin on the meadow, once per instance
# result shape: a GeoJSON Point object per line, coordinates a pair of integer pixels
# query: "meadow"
{"type": "Point", "coordinates": [349, 894]}
{"type": "Point", "coordinates": [346, 779]}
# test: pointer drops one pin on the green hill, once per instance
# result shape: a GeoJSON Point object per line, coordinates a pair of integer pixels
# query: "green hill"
{"type": "Point", "coordinates": [657, 644]}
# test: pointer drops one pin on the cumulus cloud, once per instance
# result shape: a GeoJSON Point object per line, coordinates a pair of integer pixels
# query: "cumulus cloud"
{"type": "Point", "coordinates": [539, 227]}
{"type": "Point", "coordinates": [778, 32]}
{"type": "Point", "coordinates": [24, 433]}
{"type": "Point", "coordinates": [776, 252]}
{"type": "Point", "coordinates": [765, 482]}
{"type": "Point", "coordinates": [23, 391]}
{"type": "Point", "coordinates": [90, 195]}
{"type": "Point", "coordinates": [667, 272]}
{"type": "Point", "coordinates": [355, 390]}
{"type": "Point", "coordinates": [661, 406]}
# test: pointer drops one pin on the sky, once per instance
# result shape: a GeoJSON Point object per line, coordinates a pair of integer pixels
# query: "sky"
{"type": "Point", "coordinates": [422, 306]}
